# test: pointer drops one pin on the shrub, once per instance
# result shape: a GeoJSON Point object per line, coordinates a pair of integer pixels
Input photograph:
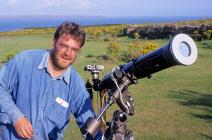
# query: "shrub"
{"type": "Point", "coordinates": [207, 34]}
{"type": "Point", "coordinates": [9, 56]}
{"type": "Point", "coordinates": [134, 49]}
{"type": "Point", "coordinates": [207, 44]}
{"type": "Point", "coordinates": [106, 39]}
{"type": "Point", "coordinates": [136, 35]}
{"type": "Point", "coordinates": [114, 50]}
{"type": "Point", "coordinates": [149, 47]}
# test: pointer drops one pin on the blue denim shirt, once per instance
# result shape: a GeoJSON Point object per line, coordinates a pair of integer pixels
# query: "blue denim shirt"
{"type": "Point", "coordinates": [27, 89]}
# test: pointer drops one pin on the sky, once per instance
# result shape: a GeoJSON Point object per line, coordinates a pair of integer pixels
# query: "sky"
{"type": "Point", "coordinates": [108, 8]}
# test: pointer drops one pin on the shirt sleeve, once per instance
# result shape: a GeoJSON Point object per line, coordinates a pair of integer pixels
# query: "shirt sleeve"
{"type": "Point", "coordinates": [8, 81]}
{"type": "Point", "coordinates": [83, 108]}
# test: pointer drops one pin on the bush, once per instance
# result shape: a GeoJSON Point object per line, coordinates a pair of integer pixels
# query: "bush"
{"type": "Point", "coordinates": [9, 56]}
{"type": "Point", "coordinates": [207, 44]}
{"type": "Point", "coordinates": [106, 39]}
{"type": "Point", "coordinates": [134, 50]}
{"type": "Point", "coordinates": [114, 50]}
{"type": "Point", "coordinates": [207, 34]}
{"type": "Point", "coordinates": [149, 47]}
{"type": "Point", "coordinates": [136, 35]}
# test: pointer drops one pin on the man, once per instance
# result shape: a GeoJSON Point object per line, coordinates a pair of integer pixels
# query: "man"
{"type": "Point", "coordinates": [39, 90]}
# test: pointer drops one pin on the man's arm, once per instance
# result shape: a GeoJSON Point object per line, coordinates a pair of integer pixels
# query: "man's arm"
{"type": "Point", "coordinates": [8, 81]}
{"type": "Point", "coordinates": [83, 109]}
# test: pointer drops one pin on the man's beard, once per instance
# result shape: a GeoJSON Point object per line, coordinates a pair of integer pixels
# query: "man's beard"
{"type": "Point", "coordinates": [56, 61]}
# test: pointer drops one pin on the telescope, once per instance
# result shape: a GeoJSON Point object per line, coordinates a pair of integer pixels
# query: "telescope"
{"type": "Point", "coordinates": [181, 50]}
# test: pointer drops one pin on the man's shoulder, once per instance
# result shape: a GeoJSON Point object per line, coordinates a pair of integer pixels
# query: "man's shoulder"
{"type": "Point", "coordinates": [74, 72]}
{"type": "Point", "coordinates": [34, 52]}
{"type": "Point", "coordinates": [31, 54]}
{"type": "Point", "coordinates": [76, 76]}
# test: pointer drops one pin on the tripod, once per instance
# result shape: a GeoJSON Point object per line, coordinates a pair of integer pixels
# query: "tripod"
{"type": "Point", "coordinates": [115, 129]}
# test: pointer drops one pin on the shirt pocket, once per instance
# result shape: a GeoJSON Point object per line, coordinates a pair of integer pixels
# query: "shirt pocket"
{"type": "Point", "coordinates": [55, 113]}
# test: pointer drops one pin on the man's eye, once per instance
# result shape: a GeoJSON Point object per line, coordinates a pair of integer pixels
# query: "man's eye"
{"type": "Point", "coordinates": [76, 50]}
{"type": "Point", "coordinates": [63, 46]}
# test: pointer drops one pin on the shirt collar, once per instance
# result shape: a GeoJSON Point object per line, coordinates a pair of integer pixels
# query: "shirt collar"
{"type": "Point", "coordinates": [44, 65]}
{"type": "Point", "coordinates": [44, 62]}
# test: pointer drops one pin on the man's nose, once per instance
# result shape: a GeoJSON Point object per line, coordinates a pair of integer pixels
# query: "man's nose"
{"type": "Point", "coordinates": [69, 52]}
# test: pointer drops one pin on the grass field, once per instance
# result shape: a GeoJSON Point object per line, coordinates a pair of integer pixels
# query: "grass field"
{"type": "Point", "coordinates": [176, 104]}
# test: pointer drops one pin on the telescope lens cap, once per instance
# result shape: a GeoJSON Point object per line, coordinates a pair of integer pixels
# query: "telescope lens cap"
{"type": "Point", "coordinates": [183, 49]}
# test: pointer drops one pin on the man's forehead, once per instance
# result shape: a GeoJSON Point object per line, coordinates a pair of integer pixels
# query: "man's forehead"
{"type": "Point", "coordinates": [66, 37]}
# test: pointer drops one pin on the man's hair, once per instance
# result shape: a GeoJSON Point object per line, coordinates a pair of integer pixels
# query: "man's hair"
{"type": "Point", "coordinates": [73, 30]}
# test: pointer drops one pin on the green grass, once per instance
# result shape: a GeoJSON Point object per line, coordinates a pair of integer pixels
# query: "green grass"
{"type": "Point", "coordinates": [176, 104]}
{"type": "Point", "coordinates": [18, 43]}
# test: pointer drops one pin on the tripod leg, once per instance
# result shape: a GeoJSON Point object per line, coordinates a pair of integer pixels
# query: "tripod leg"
{"type": "Point", "coordinates": [102, 104]}
{"type": "Point", "coordinates": [88, 86]}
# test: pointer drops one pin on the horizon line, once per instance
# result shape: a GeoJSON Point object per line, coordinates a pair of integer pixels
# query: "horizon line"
{"type": "Point", "coordinates": [4, 15]}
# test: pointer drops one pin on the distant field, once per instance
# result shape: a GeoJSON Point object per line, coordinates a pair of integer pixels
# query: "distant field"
{"type": "Point", "coordinates": [176, 104]}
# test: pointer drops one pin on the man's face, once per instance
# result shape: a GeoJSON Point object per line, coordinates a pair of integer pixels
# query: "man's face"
{"type": "Point", "coordinates": [65, 51]}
